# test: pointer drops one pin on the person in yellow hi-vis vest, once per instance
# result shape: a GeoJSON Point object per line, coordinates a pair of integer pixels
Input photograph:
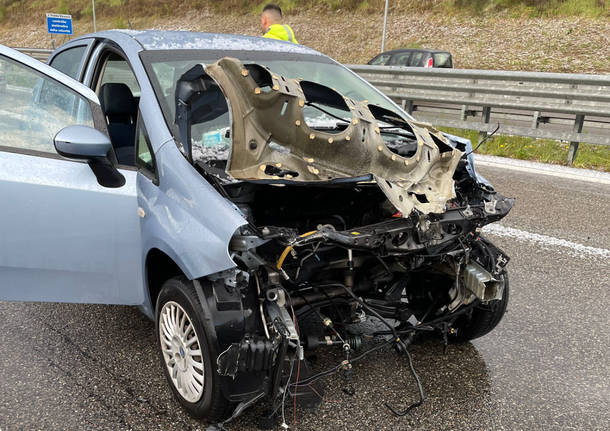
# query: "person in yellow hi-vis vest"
{"type": "Point", "coordinates": [271, 22]}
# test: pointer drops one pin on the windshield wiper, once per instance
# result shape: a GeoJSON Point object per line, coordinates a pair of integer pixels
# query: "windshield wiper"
{"type": "Point", "coordinates": [319, 108]}
{"type": "Point", "coordinates": [337, 126]}
{"type": "Point", "coordinates": [402, 133]}
{"type": "Point", "coordinates": [397, 123]}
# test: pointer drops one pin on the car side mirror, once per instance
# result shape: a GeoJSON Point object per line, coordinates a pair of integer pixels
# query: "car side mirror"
{"type": "Point", "coordinates": [87, 143]}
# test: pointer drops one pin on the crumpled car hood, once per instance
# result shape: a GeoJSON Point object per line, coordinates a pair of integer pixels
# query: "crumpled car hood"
{"type": "Point", "coordinates": [271, 140]}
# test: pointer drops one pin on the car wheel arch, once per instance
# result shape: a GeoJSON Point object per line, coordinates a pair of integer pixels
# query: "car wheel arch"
{"type": "Point", "coordinates": [159, 267]}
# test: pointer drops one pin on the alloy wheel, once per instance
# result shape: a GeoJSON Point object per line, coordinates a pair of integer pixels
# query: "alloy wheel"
{"type": "Point", "coordinates": [181, 351]}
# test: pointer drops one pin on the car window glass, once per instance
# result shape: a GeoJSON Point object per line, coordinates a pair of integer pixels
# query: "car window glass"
{"type": "Point", "coordinates": [33, 108]}
{"type": "Point", "coordinates": [68, 61]}
{"type": "Point", "coordinates": [211, 138]}
{"type": "Point", "coordinates": [380, 59]}
{"type": "Point", "coordinates": [144, 157]}
{"type": "Point", "coordinates": [416, 59]}
{"type": "Point", "coordinates": [401, 59]}
{"type": "Point", "coordinates": [117, 70]}
{"type": "Point", "coordinates": [167, 74]}
{"type": "Point", "coordinates": [442, 59]}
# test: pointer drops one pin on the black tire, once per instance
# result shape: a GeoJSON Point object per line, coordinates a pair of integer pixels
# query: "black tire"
{"type": "Point", "coordinates": [484, 318]}
{"type": "Point", "coordinates": [212, 405]}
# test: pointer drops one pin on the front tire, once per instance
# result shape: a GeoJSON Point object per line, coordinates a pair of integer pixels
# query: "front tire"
{"type": "Point", "coordinates": [187, 356]}
{"type": "Point", "coordinates": [484, 318]}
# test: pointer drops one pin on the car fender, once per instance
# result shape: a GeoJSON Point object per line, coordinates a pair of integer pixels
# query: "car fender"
{"type": "Point", "coordinates": [185, 217]}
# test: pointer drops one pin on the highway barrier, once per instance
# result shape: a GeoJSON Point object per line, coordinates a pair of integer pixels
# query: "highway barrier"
{"type": "Point", "coordinates": [568, 107]}
{"type": "Point", "coordinates": [40, 54]}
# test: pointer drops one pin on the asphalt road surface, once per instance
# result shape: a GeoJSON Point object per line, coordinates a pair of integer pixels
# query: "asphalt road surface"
{"type": "Point", "coordinates": [546, 366]}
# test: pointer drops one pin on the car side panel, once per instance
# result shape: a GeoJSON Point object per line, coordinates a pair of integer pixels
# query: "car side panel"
{"type": "Point", "coordinates": [67, 239]}
{"type": "Point", "coordinates": [185, 217]}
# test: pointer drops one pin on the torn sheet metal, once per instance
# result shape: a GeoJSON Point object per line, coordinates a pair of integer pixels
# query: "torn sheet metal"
{"type": "Point", "coordinates": [271, 140]}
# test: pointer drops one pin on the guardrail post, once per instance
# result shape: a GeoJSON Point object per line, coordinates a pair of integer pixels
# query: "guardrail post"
{"type": "Point", "coordinates": [578, 122]}
{"type": "Point", "coordinates": [485, 118]}
{"type": "Point", "coordinates": [536, 120]}
{"type": "Point", "coordinates": [407, 105]}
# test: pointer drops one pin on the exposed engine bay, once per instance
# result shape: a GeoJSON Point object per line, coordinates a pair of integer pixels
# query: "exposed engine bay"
{"type": "Point", "coordinates": [360, 235]}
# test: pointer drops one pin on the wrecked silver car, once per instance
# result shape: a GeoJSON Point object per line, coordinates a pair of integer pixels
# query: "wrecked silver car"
{"type": "Point", "coordinates": [355, 212]}
{"type": "Point", "coordinates": [256, 199]}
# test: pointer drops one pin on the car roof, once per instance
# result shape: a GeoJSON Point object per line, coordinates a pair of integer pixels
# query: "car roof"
{"type": "Point", "coordinates": [399, 50]}
{"type": "Point", "coordinates": [164, 39]}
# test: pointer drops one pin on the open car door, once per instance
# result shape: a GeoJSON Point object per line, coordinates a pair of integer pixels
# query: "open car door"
{"type": "Point", "coordinates": [63, 236]}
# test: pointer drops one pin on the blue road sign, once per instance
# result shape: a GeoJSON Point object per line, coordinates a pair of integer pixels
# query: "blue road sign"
{"type": "Point", "coordinates": [59, 24]}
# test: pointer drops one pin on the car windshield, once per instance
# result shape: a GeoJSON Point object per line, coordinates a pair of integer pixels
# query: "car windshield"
{"type": "Point", "coordinates": [211, 139]}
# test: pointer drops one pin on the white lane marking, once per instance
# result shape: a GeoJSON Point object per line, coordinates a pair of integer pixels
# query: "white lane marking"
{"type": "Point", "coordinates": [566, 172]}
{"type": "Point", "coordinates": [546, 241]}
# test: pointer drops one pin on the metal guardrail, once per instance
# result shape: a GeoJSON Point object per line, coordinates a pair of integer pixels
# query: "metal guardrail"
{"type": "Point", "coordinates": [567, 107]}
{"type": "Point", "coordinates": [40, 54]}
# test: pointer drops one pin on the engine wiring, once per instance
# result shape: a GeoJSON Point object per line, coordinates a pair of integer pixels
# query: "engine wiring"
{"type": "Point", "coordinates": [372, 311]}
{"type": "Point", "coordinates": [284, 424]}
{"type": "Point", "coordinates": [331, 325]}
{"type": "Point", "coordinates": [394, 340]}
{"type": "Point", "coordinates": [402, 347]}
{"type": "Point", "coordinates": [289, 248]}
{"type": "Point", "coordinates": [307, 245]}
{"type": "Point", "coordinates": [339, 367]}
{"type": "Point", "coordinates": [314, 249]}
{"type": "Point", "coordinates": [487, 138]}
{"type": "Point", "coordinates": [299, 347]}
{"type": "Point", "coordinates": [422, 398]}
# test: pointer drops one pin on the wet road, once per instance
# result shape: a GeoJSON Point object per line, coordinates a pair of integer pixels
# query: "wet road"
{"type": "Point", "coordinates": [546, 366]}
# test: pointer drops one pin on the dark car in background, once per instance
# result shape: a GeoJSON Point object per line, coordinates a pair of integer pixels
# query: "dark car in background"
{"type": "Point", "coordinates": [413, 58]}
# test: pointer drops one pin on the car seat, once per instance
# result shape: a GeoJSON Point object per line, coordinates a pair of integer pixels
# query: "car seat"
{"type": "Point", "coordinates": [121, 110]}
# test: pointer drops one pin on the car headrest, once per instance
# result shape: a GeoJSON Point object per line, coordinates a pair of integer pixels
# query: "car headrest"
{"type": "Point", "coordinates": [117, 99]}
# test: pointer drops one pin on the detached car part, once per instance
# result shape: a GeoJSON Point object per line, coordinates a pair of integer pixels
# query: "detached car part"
{"type": "Point", "coordinates": [272, 140]}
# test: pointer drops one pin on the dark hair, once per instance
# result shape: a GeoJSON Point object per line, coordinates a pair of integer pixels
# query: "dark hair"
{"type": "Point", "coordinates": [273, 7]}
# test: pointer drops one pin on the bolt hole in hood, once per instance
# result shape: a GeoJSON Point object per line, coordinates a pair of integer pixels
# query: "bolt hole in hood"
{"type": "Point", "coordinates": [287, 130]}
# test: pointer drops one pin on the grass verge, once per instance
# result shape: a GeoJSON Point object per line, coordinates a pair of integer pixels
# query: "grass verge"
{"type": "Point", "coordinates": [541, 150]}
{"type": "Point", "coordinates": [20, 11]}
